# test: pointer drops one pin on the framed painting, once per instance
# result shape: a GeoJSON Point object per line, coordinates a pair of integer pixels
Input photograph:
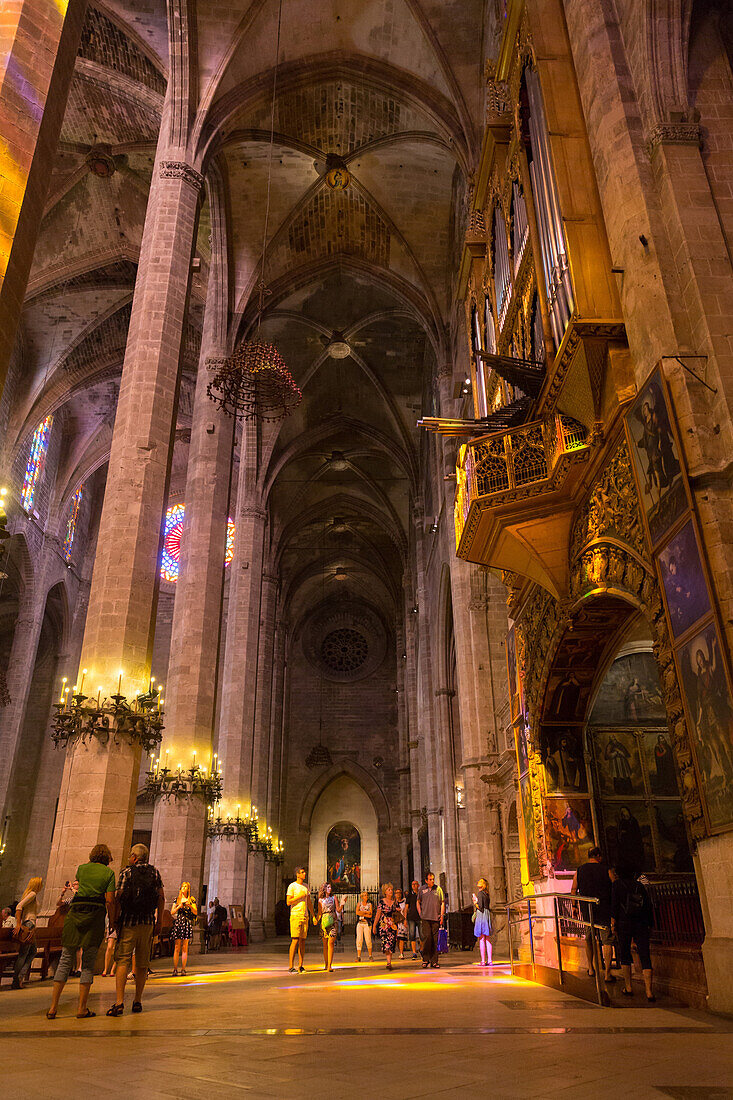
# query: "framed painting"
{"type": "Point", "coordinates": [709, 706]}
{"type": "Point", "coordinates": [618, 764]}
{"type": "Point", "coordinates": [528, 822]}
{"type": "Point", "coordinates": [343, 856]}
{"type": "Point", "coordinates": [630, 693]}
{"type": "Point", "coordinates": [628, 834]}
{"type": "Point", "coordinates": [520, 732]}
{"type": "Point", "coordinates": [661, 766]}
{"type": "Point", "coordinates": [512, 673]}
{"type": "Point", "coordinates": [568, 692]}
{"type": "Point", "coordinates": [674, 850]}
{"type": "Point", "coordinates": [568, 832]}
{"type": "Point", "coordinates": [656, 458]}
{"type": "Point", "coordinates": [684, 582]}
{"type": "Point", "coordinates": [563, 759]}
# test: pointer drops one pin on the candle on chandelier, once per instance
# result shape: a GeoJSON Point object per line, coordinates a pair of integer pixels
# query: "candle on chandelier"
{"type": "Point", "coordinates": [81, 685]}
{"type": "Point", "coordinates": [63, 689]}
{"type": "Point", "coordinates": [99, 696]}
{"type": "Point", "coordinates": [119, 684]}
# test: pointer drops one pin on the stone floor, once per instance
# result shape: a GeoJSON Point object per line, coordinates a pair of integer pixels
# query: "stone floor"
{"type": "Point", "coordinates": [240, 1024]}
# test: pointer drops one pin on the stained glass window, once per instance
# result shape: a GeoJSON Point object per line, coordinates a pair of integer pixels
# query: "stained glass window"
{"type": "Point", "coordinates": [36, 462]}
{"type": "Point", "coordinates": [173, 530]}
{"type": "Point", "coordinates": [71, 523]}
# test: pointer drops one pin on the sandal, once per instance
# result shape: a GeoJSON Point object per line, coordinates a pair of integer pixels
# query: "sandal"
{"type": "Point", "coordinates": [627, 992]}
{"type": "Point", "coordinates": [85, 1015]}
{"type": "Point", "coordinates": [50, 1015]}
{"type": "Point", "coordinates": [175, 973]}
{"type": "Point", "coordinates": [116, 1010]}
{"type": "Point", "coordinates": [183, 973]}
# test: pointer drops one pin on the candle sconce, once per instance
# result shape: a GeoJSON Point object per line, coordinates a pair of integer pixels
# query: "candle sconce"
{"type": "Point", "coordinates": [182, 783]}
{"type": "Point", "coordinates": [80, 719]}
{"type": "Point", "coordinates": [229, 828]}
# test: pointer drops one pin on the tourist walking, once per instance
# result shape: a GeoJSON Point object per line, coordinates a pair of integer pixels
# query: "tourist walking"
{"type": "Point", "coordinates": [592, 881]}
{"type": "Point", "coordinates": [328, 911]}
{"type": "Point", "coordinates": [413, 918]}
{"type": "Point", "coordinates": [184, 914]}
{"type": "Point", "coordinates": [140, 904]}
{"type": "Point", "coordinates": [402, 924]}
{"type": "Point", "coordinates": [364, 914]}
{"type": "Point", "coordinates": [385, 920]}
{"type": "Point", "coordinates": [632, 918]}
{"type": "Point", "coordinates": [431, 907]}
{"type": "Point", "coordinates": [26, 916]}
{"type": "Point", "coordinates": [482, 920]}
{"type": "Point", "coordinates": [84, 926]}
{"type": "Point", "coordinates": [298, 900]}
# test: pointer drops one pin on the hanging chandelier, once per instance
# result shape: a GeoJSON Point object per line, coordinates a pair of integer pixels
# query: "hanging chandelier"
{"type": "Point", "coordinates": [254, 383]}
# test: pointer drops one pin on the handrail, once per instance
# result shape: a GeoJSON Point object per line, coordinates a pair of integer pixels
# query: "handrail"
{"type": "Point", "coordinates": [527, 900]}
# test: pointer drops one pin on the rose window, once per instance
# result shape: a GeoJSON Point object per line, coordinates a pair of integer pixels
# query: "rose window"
{"type": "Point", "coordinates": [344, 650]}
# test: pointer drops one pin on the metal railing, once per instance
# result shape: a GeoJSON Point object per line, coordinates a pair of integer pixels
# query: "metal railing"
{"type": "Point", "coordinates": [560, 915]}
{"type": "Point", "coordinates": [678, 916]}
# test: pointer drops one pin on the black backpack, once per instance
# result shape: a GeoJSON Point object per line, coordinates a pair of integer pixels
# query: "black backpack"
{"type": "Point", "coordinates": [139, 896]}
{"type": "Point", "coordinates": [634, 902]}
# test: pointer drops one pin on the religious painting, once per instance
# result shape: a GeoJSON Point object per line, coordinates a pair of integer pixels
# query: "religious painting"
{"type": "Point", "coordinates": [530, 839]}
{"type": "Point", "coordinates": [568, 692]}
{"type": "Point", "coordinates": [343, 857]}
{"type": "Point", "coordinates": [618, 763]}
{"type": "Point", "coordinates": [628, 835]}
{"type": "Point", "coordinates": [674, 849]}
{"type": "Point", "coordinates": [568, 832]}
{"type": "Point", "coordinates": [656, 459]}
{"type": "Point", "coordinates": [562, 756]}
{"type": "Point", "coordinates": [630, 693]}
{"type": "Point", "coordinates": [710, 713]}
{"type": "Point", "coordinates": [511, 664]}
{"type": "Point", "coordinates": [522, 750]}
{"type": "Point", "coordinates": [683, 580]}
{"type": "Point", "coordinates": [660, 764]}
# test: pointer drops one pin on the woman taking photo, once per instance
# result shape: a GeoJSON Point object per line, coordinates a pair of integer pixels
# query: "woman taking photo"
{"type": "Point", "coordinates": [386, 920]}
{"type": "Point", "coordinates": [184, 914]}
{"type": "Point", "coordinates": [24, 933]}
{"type": "Point", "coordinates": [364, 914]}
{"type": "Point", "coordinates": [482, 921]}
{"type": "Point", "coordinates": [328, 910]}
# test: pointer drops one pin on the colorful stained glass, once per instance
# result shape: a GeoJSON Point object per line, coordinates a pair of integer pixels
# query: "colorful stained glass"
{"type": "Point", "coordinates": [172, 542]}
{"type": "Point", "coordinates": [71, 523]}
{"type": "Point", "coordinates": [36, 462]}
{"type": "Point", "coordinates": [170, 560]}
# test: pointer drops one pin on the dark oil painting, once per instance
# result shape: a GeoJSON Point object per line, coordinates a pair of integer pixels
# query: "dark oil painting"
{"type": "Point", "coordinates": [710, 710]}
{"type": "Point", "coordinates": [618, 764]}
{"type": "Point", "coordinates": [683, 579]}
{"type": "Point", "coordinates": [568, 831]}
{"type": "Point", "coordinates": [511, 664]}
{"type": "Point", "coordinates": [343, 857]}
{"type": "Point", "coordinates": [660, 764]}
{"type": "Point", "coordinates": [628, 834]}
{"type": "Point", "coordinates": [530, 838]}
{"type": "Point", "coordinates": [630, 693]}
{"type": "Point", "coordinates": [656, 459]}
{"type": "Point", "coordinates": [674, 850]}
{"type": "Point", "coordinates": [562, 756]}
{"type": "Point", "coordinates": [522, 753]}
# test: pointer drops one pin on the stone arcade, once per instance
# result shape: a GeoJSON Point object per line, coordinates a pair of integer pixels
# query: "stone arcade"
{"type": "Point", "coordinates": [477, 644]}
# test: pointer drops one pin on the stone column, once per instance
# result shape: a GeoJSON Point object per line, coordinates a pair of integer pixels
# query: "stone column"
{"type": "Point", "coordinates": [99, 785]}
{"type": "Point", "coordinates": [274, 778]}
{"type": "Point", "coordinates": [38, 46]}
{"type": "Point", "coordinates": [179, 827]}
{"type": "Point", "coordinates": [417, 801]}
{"type": "Point", "coordinates": [230, 858]}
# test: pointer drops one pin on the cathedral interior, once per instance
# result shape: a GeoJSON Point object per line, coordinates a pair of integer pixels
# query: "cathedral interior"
{"type": "Point", "coordinates": [365, 440]}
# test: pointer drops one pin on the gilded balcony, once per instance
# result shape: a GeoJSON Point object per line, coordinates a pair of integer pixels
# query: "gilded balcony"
{"type": "Point", "coordinates": [514, 498]}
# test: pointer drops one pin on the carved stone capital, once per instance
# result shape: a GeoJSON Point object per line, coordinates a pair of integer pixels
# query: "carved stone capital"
{"type": "Point", "coordinates": [253, 510]}
{"type": "Point", "coordinates": [674, 133]}
{"type": "Point", "coordinates": [179, 170]}
{"type": "Point", "coordinates": [215, 362]}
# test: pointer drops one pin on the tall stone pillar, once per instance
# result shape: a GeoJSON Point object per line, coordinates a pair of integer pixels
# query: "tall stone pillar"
{"type": "Point", "coordinates": [417, 801]}
{"type": "Point", "coordinates": [38, 46]}
{"type": "Point", "coordinates": [100, 781]}
{"type": "Point", "coordinates": [230, 858]}
{"type": "Point", "coordinates": [179, 826]}
{"type": "Point", "coordinates": [273, 871]}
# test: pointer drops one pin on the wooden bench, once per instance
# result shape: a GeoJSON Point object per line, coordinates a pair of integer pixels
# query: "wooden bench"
{"type": "Point", "coordinates": [48, 948]}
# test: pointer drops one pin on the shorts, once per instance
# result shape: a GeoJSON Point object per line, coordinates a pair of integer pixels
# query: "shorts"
{"type": "Point", "coordinates": [413, 930]}
{"type": "Point", "coordinates": [605, 934]}
{"type": "Point", "coordinates": [137, 938]}
{"type": "Point", "coordinates": [112, 934]}
{"type": "Point", "coordinates": [298, 927]}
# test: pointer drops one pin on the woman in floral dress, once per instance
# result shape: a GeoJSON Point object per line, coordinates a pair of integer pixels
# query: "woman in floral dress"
{"type": "Point", "coordinates": [184, 914]}
{"type": "Point", "coordinates": [329, 908]}
{"type": "Point", "coordinates": [386, 919]}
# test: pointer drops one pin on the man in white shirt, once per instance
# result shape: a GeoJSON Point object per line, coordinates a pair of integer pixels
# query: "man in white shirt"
{"type": "Point", "coordinates": [299, 903]}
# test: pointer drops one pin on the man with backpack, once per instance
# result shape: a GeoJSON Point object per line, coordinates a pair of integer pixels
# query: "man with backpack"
{"type": "Point", "coordinates": [140, 905]}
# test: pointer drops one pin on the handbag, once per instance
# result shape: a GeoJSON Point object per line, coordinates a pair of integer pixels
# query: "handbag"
{"type": "Point", "coordinates": [442, 941]}
{"type": "Point", "coordinates": [23, 933]}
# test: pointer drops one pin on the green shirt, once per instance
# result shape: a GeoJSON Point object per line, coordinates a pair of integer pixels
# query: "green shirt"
{"type": "Point", "coordinates": [94, 879]}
